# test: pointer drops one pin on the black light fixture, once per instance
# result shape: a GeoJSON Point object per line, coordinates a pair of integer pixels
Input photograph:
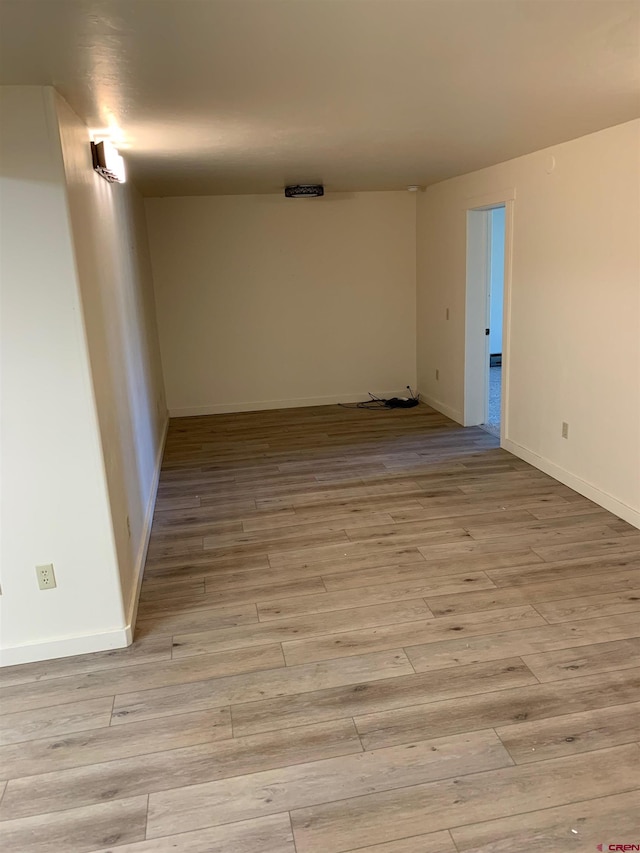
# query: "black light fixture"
{"type": "Point", "coordinates": [304, 191]}
{"type": "Point", "coordinates": [107, 162]}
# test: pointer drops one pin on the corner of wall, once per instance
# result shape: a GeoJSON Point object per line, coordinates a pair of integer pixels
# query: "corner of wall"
{"type": "Point", "coordinates": [443, 408]}
{"type": "Point", "coordinates": [132, 609]}
{"type": "Point", "coordinates": [64, 518]}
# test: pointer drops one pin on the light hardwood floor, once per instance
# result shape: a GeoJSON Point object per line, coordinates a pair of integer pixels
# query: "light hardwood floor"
{"type": "Point", "coordinates": [358, 631]}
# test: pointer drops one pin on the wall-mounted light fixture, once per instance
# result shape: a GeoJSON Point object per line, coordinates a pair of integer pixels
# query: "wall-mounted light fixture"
{"type": "Point", "coordinates": [107, 162]}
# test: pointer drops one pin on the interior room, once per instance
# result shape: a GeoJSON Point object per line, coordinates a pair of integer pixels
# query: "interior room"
{"type": "Point", "coordinates": [320, 426]}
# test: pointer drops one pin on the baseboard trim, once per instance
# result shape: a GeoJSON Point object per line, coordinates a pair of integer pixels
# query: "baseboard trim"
{"type": "Point", "coordinates": [443, 408]}
{"type": "Point", "coordinates": [146, 536]}
{"type": "Point", "coordinates": [264, 405]}
{"type": "Point", "coordinates": [64, 647]}
{"type": "Point", "coordinates": [584, 488]}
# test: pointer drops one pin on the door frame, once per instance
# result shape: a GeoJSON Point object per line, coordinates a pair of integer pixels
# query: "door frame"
{"type": "Point", "coordinates": [478, 268]}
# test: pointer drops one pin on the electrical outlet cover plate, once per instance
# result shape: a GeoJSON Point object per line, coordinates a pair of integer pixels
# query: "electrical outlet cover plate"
{"type": "Point", "coordinates": [46, 576]}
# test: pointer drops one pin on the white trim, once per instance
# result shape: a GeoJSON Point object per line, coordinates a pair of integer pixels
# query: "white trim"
{"type": "Point", "coordinates": [443, 408]}
{"type": "Point", "coordinates": [476, 352]}
{"type": "Point", "coordinates": [263, 405]}
{"type": "Point", "coordinates": [64, 647]}
{"type": "Point", "coordinates": [504, 198]}
{"type": "Point", "coordinates": [489, 200]}
{"type": "Point", "coordinates": [595, 494]}
{"type": "Point", "coordinates": [507, 293]}
{"type": "Point", "coordinates": [146, 535]}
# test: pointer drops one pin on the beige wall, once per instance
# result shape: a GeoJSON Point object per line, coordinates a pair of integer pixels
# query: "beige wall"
{"type": "Point", "coordinates": [114, 271]}
{"type": "Point", "coordinates": [83, 410]}
{"type": "Point", "coordinates": [265, 301]}
{"type": "Point", "coordinates": [575, 308]}
{"type": "Point", "coordinates": [55, 506]}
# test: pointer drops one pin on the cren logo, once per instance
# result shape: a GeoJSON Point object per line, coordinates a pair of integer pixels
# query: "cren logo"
{"type": "Point", "coordinates": [624, 848]}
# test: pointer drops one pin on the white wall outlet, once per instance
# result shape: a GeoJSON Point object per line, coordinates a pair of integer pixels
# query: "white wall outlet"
{"type": "Point", "coordinates": [565, 429]}
{"type": "Point", "coordinates": [437, 374]}
{"type": "Point", "coordinates": [46, 576]}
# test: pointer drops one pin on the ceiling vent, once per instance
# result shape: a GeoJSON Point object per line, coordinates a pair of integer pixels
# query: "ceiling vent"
{"type": "Point", "coordinates": [304, 191]}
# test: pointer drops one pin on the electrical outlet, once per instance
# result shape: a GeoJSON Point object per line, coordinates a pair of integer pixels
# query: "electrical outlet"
{"type": "Point", "coordinates": [46, 576]}
{"type": "Point", "coordinates": [565, 429]}
{"type": "Point", "coordinates": [437, 374]}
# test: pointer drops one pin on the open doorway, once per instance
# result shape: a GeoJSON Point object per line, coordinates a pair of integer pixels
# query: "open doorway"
{"type": "Point", "coordinates": [487, 312]}
{"type": "Point", "coordinates": [495, 307]}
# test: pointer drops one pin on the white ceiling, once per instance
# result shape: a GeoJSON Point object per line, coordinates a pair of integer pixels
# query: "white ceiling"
{"type": "Point", "coordinates": [244, 96]}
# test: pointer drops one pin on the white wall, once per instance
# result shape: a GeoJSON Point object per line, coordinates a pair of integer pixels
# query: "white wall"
{"type": "Point", "coordinates": [114, 271]}
{"type": "Point", "coordinates": [55, 506]}
{"type": "Point", "coordinates": [83, 412]}
{"type": "Point", "coordinates": [575, 308]}
{"type": "Point", "coordinates": [496, 282]}
{"type": "Point", "coordinates": [265, 301]}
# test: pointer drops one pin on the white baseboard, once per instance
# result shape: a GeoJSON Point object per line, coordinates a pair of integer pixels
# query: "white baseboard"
{"type": "Point", "coordinates": [443, 408]}
{"type": "Point", "coordinates": [132, 612]}
{"type": "Point", "coordinates": [594, 494]}
{"type": "Point", "coordinates": [64, 647]}
{"type": "Point", "coordinates": [263, 405]}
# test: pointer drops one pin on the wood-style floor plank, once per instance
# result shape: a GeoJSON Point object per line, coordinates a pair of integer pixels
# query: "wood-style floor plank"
{"type": "Point", "coordinates": [312, 625]}
{"type": "Point", "coordinates": [196, 566]}
{"type": "Point", "coordinates": [367, 697]}
{"type": "Point", "coordinates": [55, 721]}
{"type": "Point", "coordinates": [154, 590]}
{"type": "Point", "coordinates": [270, 834]}
{"type": "Point", "coordinates": [410, 634]}
{"type": "Point", "coordinates": [572, 733]}
{"type": "Point", "coordinates": [148, 651]}
{"type": "Point", "coordinates": [413, 566]}
{"type": "Point", "coordinates": [253, 687]}
{"type": "Point", "coordinates": [325, 602]}
{"type": "Point", "coordinates": [549, 572]}
{"type": "Point", "coordinates": [491, 709]}
{"type": "Point", "coordinates": [163, 769]}
{"type": "Point", "coordinates": [77, 830]}
{"type": "Point", "coordinates": [610, 545]}
{"type": "Point", "coordinates": [60, 691]}
{"type": "Point", "coordinates": [528, 641]}
{"type": "Point", "coordinates": [535, 593]}
{"type": "Point", "coordinates": [466, 799]}
{"type": "Point", "coordinates": [578, 826]}
{"type": "Point", "coordinates": [110, 743]}
{"type": "Point", "coordinates": [377, 630]}
{"type": "Point", "coordinates": [193, 616]}
{"type": "Point", "coordinates": [584, 660]}
{"type": "Point", "coordinates": [601, 604]}
{"type": "Point", "coordinates": [305, 785]}
{"type": "Point", "coordinates": [424, 530]}
{"type": "Point", "coordinates": [435, 842]}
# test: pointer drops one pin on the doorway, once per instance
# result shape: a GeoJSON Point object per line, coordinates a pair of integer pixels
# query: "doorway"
{"type": "Point", "coordinates": [489, 229]}
{"type": "Point", "coordinates": [495, 307]}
